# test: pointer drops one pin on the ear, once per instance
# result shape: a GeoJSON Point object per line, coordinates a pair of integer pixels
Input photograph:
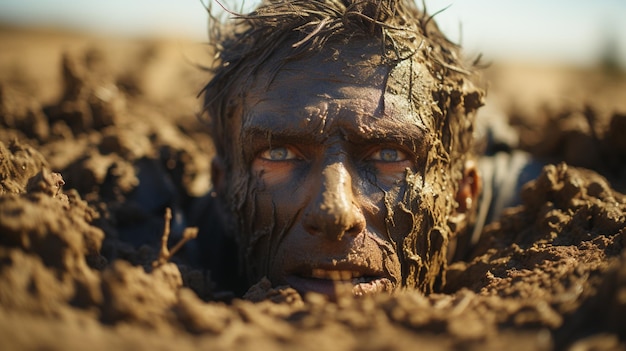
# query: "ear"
{"type": "Point", "coordinates": [467, 195]}
{"type": "Point", "coordinates": [469, 188]}
{"type": "Point", "coordinates": [218, 173]}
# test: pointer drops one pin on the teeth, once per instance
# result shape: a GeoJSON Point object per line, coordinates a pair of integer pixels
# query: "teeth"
{"type": "Point", "coordinates": [334, 274]}
{"type": "Point", "coordinates": [375, 286]}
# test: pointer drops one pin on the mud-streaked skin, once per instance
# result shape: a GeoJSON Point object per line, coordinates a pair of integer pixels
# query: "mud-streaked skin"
{"type": "Point", "coordinates": [341, 181]}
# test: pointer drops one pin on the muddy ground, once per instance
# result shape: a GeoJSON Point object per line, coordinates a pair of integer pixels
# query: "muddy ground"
{"type": "Point", "coordinates": [98, 136]}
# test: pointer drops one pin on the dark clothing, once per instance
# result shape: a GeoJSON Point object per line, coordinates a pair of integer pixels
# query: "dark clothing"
{"type": "Point", "coordinates": [503, 175]}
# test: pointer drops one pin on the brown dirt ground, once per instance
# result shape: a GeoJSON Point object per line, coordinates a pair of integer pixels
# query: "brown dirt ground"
{"type": "Point", "coordinates": [117, 120]}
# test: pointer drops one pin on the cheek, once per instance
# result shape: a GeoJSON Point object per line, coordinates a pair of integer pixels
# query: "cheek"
{"type": "Point", "coordinates": [272, 173]}
{"type": "Point", "coordinates": [395, 214]}
{"type": "Point", "coordinates": [273, 211]}
{"type": "Point", "coordinates": [256, 223]}
{"type": "Point", "coordinates": [430, 199]}
{"type": "Point", "coordinates": [384, 207]}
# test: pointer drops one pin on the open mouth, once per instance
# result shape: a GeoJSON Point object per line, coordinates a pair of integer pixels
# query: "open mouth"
{"type": "Point", "coordinates": [335, 282]}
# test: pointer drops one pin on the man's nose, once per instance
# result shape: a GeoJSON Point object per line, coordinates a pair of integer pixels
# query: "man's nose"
{"type": "Point", "coordinates": [333, 211]}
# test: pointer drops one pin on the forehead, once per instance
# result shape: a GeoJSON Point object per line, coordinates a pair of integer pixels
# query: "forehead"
{"type": "Point", "coordinates": [351, 84]}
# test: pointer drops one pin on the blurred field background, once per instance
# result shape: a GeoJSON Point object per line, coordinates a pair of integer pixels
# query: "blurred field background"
{"type": "Point", "coordinates": [538, 50]}
{"type": "Point", "coordinates": [575, 31]}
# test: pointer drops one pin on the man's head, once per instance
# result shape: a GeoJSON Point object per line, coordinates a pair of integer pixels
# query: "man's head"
{"type": "Point", "coordinates": [343, 132]}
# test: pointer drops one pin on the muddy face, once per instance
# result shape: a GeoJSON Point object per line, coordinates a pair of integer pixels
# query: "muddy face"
{"type": "Point", "coordinates": [337, 185]}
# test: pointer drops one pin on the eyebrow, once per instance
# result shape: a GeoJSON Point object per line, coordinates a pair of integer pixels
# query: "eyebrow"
{"type": "Point", "coordinates": [382, 130]}
{"type": "Point", "coordinates": [256, 135]}
{"type": "Point", "coordinates": [387, 131]}
{"type": "Point", "coordinates": [256, 129]}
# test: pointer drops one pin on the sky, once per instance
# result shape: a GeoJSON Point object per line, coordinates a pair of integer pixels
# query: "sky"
{"type": "Point", "coordinates": [554, 31]}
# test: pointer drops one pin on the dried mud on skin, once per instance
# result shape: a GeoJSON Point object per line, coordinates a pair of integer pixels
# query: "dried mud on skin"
{"type": "Point", "coordinates": [77, 246]}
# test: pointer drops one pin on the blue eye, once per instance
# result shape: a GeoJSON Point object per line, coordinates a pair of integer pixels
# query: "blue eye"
{"type": "Point", "coordinates": [388, 155]}
{"type": "Point", "coordinates": [278, 154]}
